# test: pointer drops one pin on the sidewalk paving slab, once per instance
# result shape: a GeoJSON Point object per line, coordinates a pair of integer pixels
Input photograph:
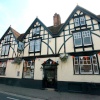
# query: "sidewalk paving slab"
{"type": "Point", "coordinates": [47, 94]}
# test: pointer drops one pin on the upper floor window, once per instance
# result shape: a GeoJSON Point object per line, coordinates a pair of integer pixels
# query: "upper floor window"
{"type": "Point", "coordinates": [5, 50]}
{"type": "Point", "coordinates": [3, 68]}
{"type": "Point", "coordinates": [35, 31]}
{"type": "Point", "coordinates": [20, 46]}
{"type": "Point", "coordinates": [80, 21]}
{"type": "Point", "coordinates": [86, 65]}
{"type": "Point", "coordinates": [35, 45]}
{"type": "Point", "coordinates": [82, 38]}
{"type": "Point", "coordinates": [7, 38]}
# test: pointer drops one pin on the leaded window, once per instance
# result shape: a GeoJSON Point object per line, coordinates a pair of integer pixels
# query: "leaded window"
{"type": "Point", "coordinates": [80, 21]}
{"type": "Point", "coordinates": [77, 23]}
{"type": "Point", "coordinates": [35, 45]}
{"type": "Point", "coordinates": [35, 31]}
{"type": "Point", "coordinates": [86, 37]}
{"type": "Point", "coordinates": [77, 39]}
{"type": "Point", "coordinates": [5, 49]}
{"type": "Point", "coordinates": [82, 38]}
{"type": "Point", "coordinates": [7, 38]}
{"type": "Point", "coordinates": [86, 65]}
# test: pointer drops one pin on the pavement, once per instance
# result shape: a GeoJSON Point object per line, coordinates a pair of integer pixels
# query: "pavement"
{"type": "Point", "coordinates": [46, 94]}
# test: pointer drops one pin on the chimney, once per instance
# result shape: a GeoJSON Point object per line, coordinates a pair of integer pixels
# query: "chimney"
{"type": "Point", "coordinates": [56, 20]}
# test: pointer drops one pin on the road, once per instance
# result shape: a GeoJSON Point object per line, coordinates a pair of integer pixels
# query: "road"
{"type": "Point", "coordinates": [10, 96]}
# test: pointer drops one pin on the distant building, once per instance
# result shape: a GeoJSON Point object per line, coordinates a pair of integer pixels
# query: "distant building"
{"type": "Point", "coordinates": [65, 56]}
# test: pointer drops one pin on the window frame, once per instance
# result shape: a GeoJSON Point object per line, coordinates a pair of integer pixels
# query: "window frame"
{"type": "Point", "coordinates": [82, 38]}
{"type": "Point", "coordinates": [3, 68]}
{"type": "Point", "coordinates": [79, 64]}
{"type": "Point", "coordinates": [35, 51]}
{"type": "Point", "coordinates": [28, 66]}
{"type": "Point", "coordinates": [35, 30]}
{"type": "Point", "coordinates": [78, 37]}
{"type": "Point", "coordinates": [7, 38]}
{"type": "Point", "coordinates": [79, 18]}
{"type": "Point", "coordinates": [5, 47]}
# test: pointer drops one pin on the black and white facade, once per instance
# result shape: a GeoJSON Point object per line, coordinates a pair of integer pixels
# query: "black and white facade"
{"type": "Point", "coordinates": [65, 56]}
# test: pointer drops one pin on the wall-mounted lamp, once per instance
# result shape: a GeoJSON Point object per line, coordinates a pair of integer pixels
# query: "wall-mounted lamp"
{"type": "Point", "coordinates": [41, 68]}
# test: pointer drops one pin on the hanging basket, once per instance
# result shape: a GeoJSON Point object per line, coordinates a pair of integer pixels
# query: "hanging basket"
{"type": "Point", "coordinates": [17, 60]}
{"type": "Point", "coordinates": [63, 57]}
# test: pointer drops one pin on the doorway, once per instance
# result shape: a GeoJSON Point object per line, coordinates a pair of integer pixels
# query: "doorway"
{"type": "Point", "coordinates": [50, 74]}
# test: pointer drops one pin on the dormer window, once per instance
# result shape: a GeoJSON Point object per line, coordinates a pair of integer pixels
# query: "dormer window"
{"type": "Point", "coordinates": [80, 21]}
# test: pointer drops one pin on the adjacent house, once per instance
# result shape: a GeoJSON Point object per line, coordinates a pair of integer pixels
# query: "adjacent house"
{"type": "Point", "coordinates": [65, 56]}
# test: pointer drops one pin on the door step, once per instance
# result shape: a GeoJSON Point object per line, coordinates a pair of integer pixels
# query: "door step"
{"type": "Point", "coordinates": [52, 89]}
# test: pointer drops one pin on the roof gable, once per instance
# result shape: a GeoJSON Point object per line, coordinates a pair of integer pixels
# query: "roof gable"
{"type": "Point", "coordinates": [73, 12]}
{"type": "Point", "coordinates": [36, 20]}
{"type": "Point", "coordinates": [15, 33]}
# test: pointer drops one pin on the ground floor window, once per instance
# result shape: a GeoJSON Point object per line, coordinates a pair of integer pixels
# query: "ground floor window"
{"type": "Point", "coordinates": [3, 68]}
{"type": "Point", "coordinates": [86, 65]}
{"type": "Point", "coordinates": [28, 69]}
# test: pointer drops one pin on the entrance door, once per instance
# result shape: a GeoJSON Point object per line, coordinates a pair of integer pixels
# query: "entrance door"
{"type": "Point", "coordinates": [50, 74]}
{"type": "Point", "coordinates": [50, 78]}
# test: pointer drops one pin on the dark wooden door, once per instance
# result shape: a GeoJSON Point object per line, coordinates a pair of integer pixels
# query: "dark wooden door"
{"type": "Point", "coordinates": [50, 77]}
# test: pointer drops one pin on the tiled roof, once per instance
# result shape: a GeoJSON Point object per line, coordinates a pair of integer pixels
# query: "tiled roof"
{"type": "Point", "coordinates": [16, 34]}
{"type": "Point", "coordinates": [20, 37]}
{"type": "Point", "coordinates": [55, 30]}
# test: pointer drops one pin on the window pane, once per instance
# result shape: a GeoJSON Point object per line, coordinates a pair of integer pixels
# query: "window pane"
{"type": "Point", "coordinates": [87, 41]}
{"type": "Point", "coordinates": [7, 49]}
{"type": "Point", "coordinates": [82, 20]}
{"type": "Point", "coordinates": [78, 42]}
{"type": "Point", "coordinates": [76, 69]}
{"type": "Point", "coordinates": [95, 68]}
{"type": "Point", "coordinates": [34, 31]}
{"type": "Point", "coordinates": [37, 45]}
{"type": "Point", "coordinates": [38, 30]}
{"type": "Point", "coordinates": [76, 21]}
{"type": "Point", "coordinates": [32, 46]}
{"type": "Point", "coordinates": [3, 50]}
{"type": "Point", "coordinates": [86, 69]}
{"type": "Point", "coordinates": [86, 37]}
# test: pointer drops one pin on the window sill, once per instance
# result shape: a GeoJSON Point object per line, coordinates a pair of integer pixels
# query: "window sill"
{"type": "Point", "coordinates": [34, 52]}
{"type": "Point", "coordinates": [80, 26]}
{"type": "Point", "coordinates": [85, 46]}
{"type": "Point", "coordinates": [87, 74]}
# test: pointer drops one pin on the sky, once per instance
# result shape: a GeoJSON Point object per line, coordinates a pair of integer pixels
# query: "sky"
{"type": "Point", "coordinates": [21, 13]}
